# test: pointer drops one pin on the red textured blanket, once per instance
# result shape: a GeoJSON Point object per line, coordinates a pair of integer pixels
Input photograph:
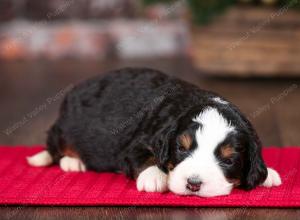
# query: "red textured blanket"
{"type": "Point", "coordinates": [22, 184]}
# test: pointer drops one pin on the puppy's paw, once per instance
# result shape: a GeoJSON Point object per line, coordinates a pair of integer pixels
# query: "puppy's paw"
{"type": "Point", "coordinates": [273, 178]}
{"type": "Point", "coordinates": [40, 159]}
{"type": "Point", "coordinates": [152, 179]}
{"type": "Point", "coordinates": [71, 164]}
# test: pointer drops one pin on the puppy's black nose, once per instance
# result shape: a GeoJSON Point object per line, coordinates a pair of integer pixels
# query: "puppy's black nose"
{"type": "Point", "coordinates": [193, 184]}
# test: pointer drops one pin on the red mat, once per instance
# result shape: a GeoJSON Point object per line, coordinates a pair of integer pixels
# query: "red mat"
{"type": "Point", "coordinates": [22, 184]}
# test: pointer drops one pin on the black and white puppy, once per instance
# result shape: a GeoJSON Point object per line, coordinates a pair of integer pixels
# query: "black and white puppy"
{"type": "Point", "coordinates": [166, 133]}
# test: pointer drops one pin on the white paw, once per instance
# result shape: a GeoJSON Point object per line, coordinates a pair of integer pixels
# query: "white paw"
{"type": "Point", "coordinates": [40, 159]}
{"type": "Point", "coordinates": [273, 178]}
{"type": "Point", "coordinates": [71, 164]}
{"type": "Point", "coordinates": [152, 179]}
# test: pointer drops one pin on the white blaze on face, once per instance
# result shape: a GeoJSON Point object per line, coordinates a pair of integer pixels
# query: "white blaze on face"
{"type": "Point", "coordinates": [202, 161]}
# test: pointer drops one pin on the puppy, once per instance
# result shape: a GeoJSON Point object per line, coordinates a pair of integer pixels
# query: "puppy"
{"type": "Point", "coordinates": [165, 133]}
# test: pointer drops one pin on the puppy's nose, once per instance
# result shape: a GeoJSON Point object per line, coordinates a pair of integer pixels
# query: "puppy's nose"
{"type": "Point", "coordinates": [193, 184]}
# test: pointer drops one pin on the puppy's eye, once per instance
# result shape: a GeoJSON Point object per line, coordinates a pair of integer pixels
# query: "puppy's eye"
{"type": "Point", "coordinates": [182, 148]}
{"type": "Point", "coordinates": [228, 161]}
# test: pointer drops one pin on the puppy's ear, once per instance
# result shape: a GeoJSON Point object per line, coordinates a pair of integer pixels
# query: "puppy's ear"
{"type": "Point", "coordinates": [163, 142]}
{"type": "Point", "coordinates": [255, 171]}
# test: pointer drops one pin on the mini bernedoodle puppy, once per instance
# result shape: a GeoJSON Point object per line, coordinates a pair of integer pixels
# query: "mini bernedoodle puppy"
{"type": "Point", "coordinates": [165, 133]}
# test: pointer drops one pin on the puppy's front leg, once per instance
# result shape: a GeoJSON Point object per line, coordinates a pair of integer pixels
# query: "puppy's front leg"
{"type": "Point", "coordinates": [152, 179]}
{"type": "Point", "coordinates": [140, 163]}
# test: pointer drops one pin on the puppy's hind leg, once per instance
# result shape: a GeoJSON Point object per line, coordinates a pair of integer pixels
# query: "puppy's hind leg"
{"type": "Point", "coordinates": [40, 159]}
{"type": "Point", "coordinates": [51, 154]}
{"type": "Point", "coordinates": [72, 164]}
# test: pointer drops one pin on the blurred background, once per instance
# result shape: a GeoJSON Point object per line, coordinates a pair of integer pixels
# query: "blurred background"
{"type": "Point", "coordinates": [246, 50]}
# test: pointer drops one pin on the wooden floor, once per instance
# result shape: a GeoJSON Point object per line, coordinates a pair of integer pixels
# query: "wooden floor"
{"type": "Point", "coordinates": [30, 94]}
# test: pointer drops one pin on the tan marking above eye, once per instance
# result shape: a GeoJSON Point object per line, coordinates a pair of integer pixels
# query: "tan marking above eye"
{"type": "Point", "coordinates": [227, 151]}
{"type": "Point", "coordinates": [186, 141]}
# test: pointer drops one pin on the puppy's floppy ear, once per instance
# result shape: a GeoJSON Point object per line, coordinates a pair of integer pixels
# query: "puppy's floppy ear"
{"type": "Point", "coordinates": [255, 171]}
{"type": "Point", "coordinates": [163, 141]}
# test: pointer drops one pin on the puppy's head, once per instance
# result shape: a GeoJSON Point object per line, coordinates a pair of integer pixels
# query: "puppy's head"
{"type": "Point", "coordinates": [211, 153]}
